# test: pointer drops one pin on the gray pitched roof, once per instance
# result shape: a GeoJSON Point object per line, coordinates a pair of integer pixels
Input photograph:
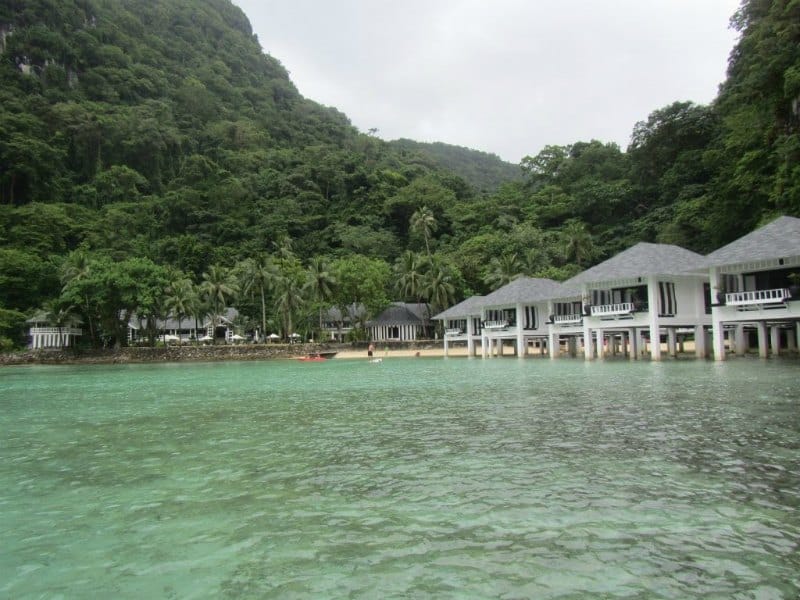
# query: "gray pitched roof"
{"type": "Point", "coordinates": [470, 306]}
{"type": "Point", "coordinates": [642, 260]}
{"type": "Point", "coordinates": [528, 289]}
{"type": "Point", "coordinates": [355, 311]}
{"type": "Point", "coordinates": [401, 313]}
{"type": "Point", "coordinates": [779, 239]}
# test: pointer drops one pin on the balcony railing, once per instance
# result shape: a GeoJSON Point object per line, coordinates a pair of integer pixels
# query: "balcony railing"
{"type": "Point", "coordinates": [495, 325]}
{"type": "Point", "coordinates": [567, 319]}
{"type": "Point", "coordinates": [611, 310]}
{"type": "Point", "coordinates": [56, 331]}
{"type": "Point", "coordinates": [757, 297]}
{"type": "Point", "coordinates": [453, 331]}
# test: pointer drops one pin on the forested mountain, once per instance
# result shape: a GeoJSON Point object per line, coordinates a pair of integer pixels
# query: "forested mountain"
{"type": "Point", "coordinates": [154, 160]}
{"type": "Point", "coordinates": [483, 171]}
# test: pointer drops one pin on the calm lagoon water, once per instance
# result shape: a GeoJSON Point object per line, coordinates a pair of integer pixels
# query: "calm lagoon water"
{"type": "Point", "coordinates": [414, 478]}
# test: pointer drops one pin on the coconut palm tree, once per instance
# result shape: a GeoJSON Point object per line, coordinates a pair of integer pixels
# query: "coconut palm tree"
{"type": "Point", "coordinates": [503, 270]}
{"type": "Point", "coordinates": [320, 283]}
{"type": "Point", "coordinates": [218, 288]}
{"type": "Point", "coordinates": [258, 275]}
{"type": "Point", "coordinates": [181, 300]}
{"type": "Point", "coordinates": [437, 286]}
{"type": "Point", "coordinates": [424, 223]}
{"type": "Point", "coordinates": [75, 269]}
{"type": "Point", "coordinates": [578, 243]}
{"type": "Point", "coordinates": [59, 314]}
{"type": "Point", "coordinates": [409, 272]}
{"type": "Point", "coordinates": [288, 300]}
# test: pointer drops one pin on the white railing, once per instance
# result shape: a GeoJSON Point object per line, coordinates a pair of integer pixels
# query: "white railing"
{"type": "Point", "coordinates": [56, 331]}
{"type": "Point", "coordinates": [453, 331]}
{"type": "Point", "coordinates": [495, 325]}
{"type": "Point", "coordinates": [757, 297]}
{"type": "Point", "coordinates": [565, 319]}
{"type": "Point", "coordinates": [607, 310]}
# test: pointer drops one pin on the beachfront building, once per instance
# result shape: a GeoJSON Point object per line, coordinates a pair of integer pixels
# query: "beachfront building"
{"type": "Point", "coordinates": [638, 295]}
{"type": "Point", "coordinates": [44, 334]}
{"type": "Point", "coordinates": [565, 321]}
{"type": "Point", "coordinates": [401, 322]}
{"type": "Point", "coordinates": [462, 323]}
{"type": "Point", "coordinates": [336, 325]}
{"type": "Point", "coordinates": [755, 287]}
{"type": "Point", "coordinates": [189, 329]}
{"type": "Point", "coordinates": [519, 312]}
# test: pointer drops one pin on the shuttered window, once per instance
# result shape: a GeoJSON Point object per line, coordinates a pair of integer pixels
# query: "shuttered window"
{"type": "Point", "coordinates": [667, 303]}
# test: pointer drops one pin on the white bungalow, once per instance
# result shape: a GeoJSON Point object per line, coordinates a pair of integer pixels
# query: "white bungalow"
{"type": "Point", "coordinates": [520, 311]}
{"type": "Point", "coordinates": [188, 329]}
{"type": "Point", "coordinates": [43, 334]}
{"type": "Point", "coordinates": [755, 285]}
{"type": "Point", "coordinates": [400, 322]}
{"type": "Point", "coordinates": [462, 323]}
{"type": "Point", "coordinates": [644, 291]}
{"type": "Point", "coordinates": [336, 324]}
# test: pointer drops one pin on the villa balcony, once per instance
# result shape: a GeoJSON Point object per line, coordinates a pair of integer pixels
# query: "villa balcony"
{"type": "Point", "coordinates": [453, 332]}
{"type": "Point", "coordinates": [64, 331]}
{"type": "Point", "coordinates": [567, 319]}
{"type": "Point", "coordinates": [495, 325]}
{"type": "Point", "coordinates": [757, 298]}
{"type": "Point", "coordinates": [613, 311]}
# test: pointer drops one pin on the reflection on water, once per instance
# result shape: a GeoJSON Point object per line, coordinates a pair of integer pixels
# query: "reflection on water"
{"type": "Point", "coordinates": [412, 478]}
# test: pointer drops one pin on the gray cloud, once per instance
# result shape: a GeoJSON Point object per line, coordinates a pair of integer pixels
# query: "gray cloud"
{"type": "Point", "coordinates": [506, 76]}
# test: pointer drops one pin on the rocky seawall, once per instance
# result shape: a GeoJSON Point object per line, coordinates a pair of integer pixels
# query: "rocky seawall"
{"type": "Point", "coordinates": [165, 354]}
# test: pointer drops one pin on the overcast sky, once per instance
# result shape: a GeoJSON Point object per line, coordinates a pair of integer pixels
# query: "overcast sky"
{"type": "Point", "coordinates": [502, 76]}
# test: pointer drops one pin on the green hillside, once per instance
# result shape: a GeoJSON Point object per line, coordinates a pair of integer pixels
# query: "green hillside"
{"type": "Point", "coordinates": [154, 160]}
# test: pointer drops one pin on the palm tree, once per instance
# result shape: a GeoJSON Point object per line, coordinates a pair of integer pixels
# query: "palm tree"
{"type": "Point", "coordinates": [75, 269]}
{"type": "Point", "coordinates": [423, 222]}
{"type": "Point", "coordinates": [503, 270]}
{"type": "Point", "coordinates": [578, 243]}
{"type": "Point", "coordinates": [319, 283]}
{"type": "Point", "coordinates": [288, 301]}
{"type": "Point", "coordinates": [59, 314]}
{"type": "Point", "coordinates": [438, 287]}
{"type": "Point", "coordinates": [219, 286]}
{"type": "Point", "coordinates": [181, 300]}
{"type": "Point", "coordinates": [408, 270]}
{"type": "Point", "coordinates": [259, 275]}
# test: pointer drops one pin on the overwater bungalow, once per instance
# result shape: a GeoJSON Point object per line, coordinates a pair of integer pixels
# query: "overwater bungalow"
{"type": "Point", "coordinates": [462, 323]}
{"type": "Point", "coordinates": [755, 288]}
{"type": "Point", "coordinates": [638, 295]}
{"type": "Point", "coordinates": [520, 312]}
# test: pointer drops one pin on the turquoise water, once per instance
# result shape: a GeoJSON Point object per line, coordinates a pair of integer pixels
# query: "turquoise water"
{"type": "Point", "coordinates": [414, 478]}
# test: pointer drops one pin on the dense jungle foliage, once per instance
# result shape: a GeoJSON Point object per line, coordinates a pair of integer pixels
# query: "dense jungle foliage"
{"type": "Point", "coordinates": [153, 160]}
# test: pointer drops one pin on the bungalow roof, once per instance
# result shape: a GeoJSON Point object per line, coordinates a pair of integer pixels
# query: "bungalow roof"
{"type": "Point", "coordinates": [779, 239]}
{"type": "Point", "coordinates": [529, 289]}
{"type": "Point", "coordinates": [402, 313]}
{"type": "Point", "coordinates": [465, 308]}
{"type": "Point", "coordinates": [642, 260]}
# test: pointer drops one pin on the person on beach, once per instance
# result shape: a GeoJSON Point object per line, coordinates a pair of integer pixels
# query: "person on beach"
{"type": "Point", "coordinates": [370, 350]}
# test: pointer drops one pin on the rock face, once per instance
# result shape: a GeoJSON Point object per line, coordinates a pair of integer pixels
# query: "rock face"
{"type": "Point", "coordinates": [167, 354]}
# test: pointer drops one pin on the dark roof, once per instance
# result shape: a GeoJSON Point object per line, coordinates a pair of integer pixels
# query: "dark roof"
{"type": "Point", "coordinates": [779, 239]}
{"type": "Point", "coordinates": [171, 322]}
{"type": "Point", "coordinates": [465, 308]}
{"type": "Point", "coordinates": [354, 312]}
{"type": "Point", "coordinates": [642, 260]}
{"type": "Point", "coordinates": [529, 289]}
{"type": "Point", "coordinates": [401, 313]}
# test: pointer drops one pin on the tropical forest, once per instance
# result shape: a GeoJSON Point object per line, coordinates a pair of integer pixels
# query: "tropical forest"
{"type": "Point", "coordinates": [155, 161]}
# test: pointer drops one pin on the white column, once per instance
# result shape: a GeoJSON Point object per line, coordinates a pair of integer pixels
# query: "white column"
{"type": "Point", "coordinates": [588, 343]}
{"type": "Point", "coordinates": [572, 345]}
{"type": "Point", "coordinates": [718, 339]}
{"type": "Point", "coordinates": [763, 349]}
{"type": "Point", "coordinates": [672, 342]}
{"type": "Point", "coordinates": [791, 340]}
{"type": "Point", "coordinates": [634, 342]}
{"type": "Point", "coordinates": [655, 332]}
{"type": "Point", "coordinates": [741, 341]}
{"type": "Point", "coordinates": [599, 336]}
{"type": "Point", "coordinates": [700, 349]}
{"type": "Point", "coordinates": [520, 331]}
{"type": "Point", "coordinates": [470, 341]}
{"type": "Point", "coordinates": [445, 344]}
{"type": "Point", "coordinates": [552, 343]}
{"type": "Point", "coordinates": [775, 340]}
{"type": "Point", "coordinates": [484, 344]}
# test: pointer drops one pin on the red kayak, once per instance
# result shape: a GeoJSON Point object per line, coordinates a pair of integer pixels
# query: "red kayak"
{"type": "Point", "coordinates": [316, 358]}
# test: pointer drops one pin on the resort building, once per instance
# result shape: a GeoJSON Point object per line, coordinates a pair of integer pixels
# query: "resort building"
{"type": "Point", "coordinates": [401, 322]}
{"type": "Point", "coordinates": [189, 328]}
{"type": "Point", "coordinates": [337, 324]}
{"type": "Point", "coordinates": [755, 287]}
{"type": "Point", "coordinates": [44, 334]}
{"type": "Point", "coordinates": [519, 312]}
{"type": "Point", "coordinates": [463, 323]}
{"type": "Point", "coordinates": [638, 295]}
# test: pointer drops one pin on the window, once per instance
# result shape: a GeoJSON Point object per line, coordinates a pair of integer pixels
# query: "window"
{"type": "Point", "coordinates": [667, 303]}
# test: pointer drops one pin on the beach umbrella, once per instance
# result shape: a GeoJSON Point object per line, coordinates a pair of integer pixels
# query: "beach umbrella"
{"type": "Point", "coordinates": [206, 338]}
{"type": "Point", "coordinates": [274, 336]}
{"type": "Point", "coordinates": [237, 337]}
